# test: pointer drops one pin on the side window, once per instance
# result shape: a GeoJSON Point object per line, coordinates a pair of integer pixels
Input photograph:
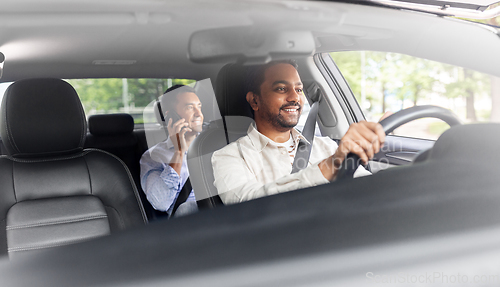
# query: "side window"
{"type": "Point", "coordinates": [3, 88]}
{"type": "Point", "coordinates": [104, 96]}
{"type": "Point", "coordinates": [388, 82]}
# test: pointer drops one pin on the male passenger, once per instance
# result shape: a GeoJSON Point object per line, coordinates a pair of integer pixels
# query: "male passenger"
{"type": "Point", "coordinates": [164, 169]}
{"type": "Point", "coordinates": [260, 163]}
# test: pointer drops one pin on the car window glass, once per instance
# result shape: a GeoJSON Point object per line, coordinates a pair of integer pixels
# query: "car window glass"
{"type": "Point", "coordinates": [388, 82]}
{"type": "Point", "coordinates": [3, 87]}
{"type": "Point", "coordinates": [106, 96]}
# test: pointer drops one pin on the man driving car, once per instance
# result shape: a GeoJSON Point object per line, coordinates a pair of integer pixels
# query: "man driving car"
{"type": "Point", "coordinates": [260, 163]}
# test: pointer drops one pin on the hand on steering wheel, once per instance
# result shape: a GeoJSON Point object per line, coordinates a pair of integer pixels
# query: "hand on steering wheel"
{"type": "Point", "coordinates": [389, 124]}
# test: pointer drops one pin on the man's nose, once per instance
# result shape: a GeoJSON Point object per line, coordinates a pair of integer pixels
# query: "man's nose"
{"type": "Point", "coordinates": [197, 112]}
{"type": "Point", "coordinates": [293, 96]}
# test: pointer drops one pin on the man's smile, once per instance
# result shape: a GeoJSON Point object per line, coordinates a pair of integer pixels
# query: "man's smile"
{"type": "Point", "coordinates": [292, 110]}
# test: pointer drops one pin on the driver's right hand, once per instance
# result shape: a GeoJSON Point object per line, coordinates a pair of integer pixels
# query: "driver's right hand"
{"type": "Point", "coordinates": [363, 139]}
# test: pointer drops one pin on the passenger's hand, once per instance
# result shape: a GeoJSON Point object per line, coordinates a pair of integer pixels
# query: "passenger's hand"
{"type": "Point", "coordinates": [363, 139]}
{"type": "Point", "coordinates": [177, 133]}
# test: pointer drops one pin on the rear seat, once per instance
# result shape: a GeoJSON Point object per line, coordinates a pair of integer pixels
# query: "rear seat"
{"type": "Point", "coordinates": [114, 133]}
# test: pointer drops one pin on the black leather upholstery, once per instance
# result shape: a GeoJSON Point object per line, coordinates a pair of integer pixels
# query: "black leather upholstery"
{"type": "Point", "coordinates": [52, 191]}
{"type": "Point", "coordinates": [114, 133]}
{"type": "Point", "coordinates": [111, 124]}
{"type": "Point", "coordinates": [37, 121]}
{"type": "Point", "coordinates": [32, 224]}
{"type": "Point", "coordinates": [237, 116]}
{"type": "Point", "coordinates": [230, 91]}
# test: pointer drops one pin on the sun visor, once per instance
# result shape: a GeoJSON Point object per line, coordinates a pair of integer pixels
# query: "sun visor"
{"type": "Point", "coordinates": [249, 45]}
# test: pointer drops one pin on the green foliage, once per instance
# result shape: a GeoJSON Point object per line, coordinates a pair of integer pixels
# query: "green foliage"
{"type": "Point", "coordinates": [99, 94]}
{"type": "Point", "coordinates": [350, 65]}
{"type": "Point", "coordinates": [466, 80]}
{"type": "Point", "coordinates": [406, 79]}
{"type": "Point", "coordinates": [106, 95]}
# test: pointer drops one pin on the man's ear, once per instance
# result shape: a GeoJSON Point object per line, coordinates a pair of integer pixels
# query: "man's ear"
{"type": "Point", "coordinates": [252, 101]}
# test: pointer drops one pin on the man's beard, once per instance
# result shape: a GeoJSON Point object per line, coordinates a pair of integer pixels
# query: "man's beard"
{"type": "Point", "coordinates": [279, 120]}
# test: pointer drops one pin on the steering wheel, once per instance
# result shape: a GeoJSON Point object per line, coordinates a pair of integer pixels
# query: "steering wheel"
{"type": "Point", "coordinates": [389, 124]}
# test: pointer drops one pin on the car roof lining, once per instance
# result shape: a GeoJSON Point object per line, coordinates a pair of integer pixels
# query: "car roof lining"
{"type": "Point", "coordinates": [71, 51]}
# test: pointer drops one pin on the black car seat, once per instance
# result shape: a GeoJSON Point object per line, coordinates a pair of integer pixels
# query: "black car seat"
{"type": "Point", "coordinates": [52, 191]}
{"type": "Point", "coordinates": [114, 133]}
{"type": "Point", "coordinates": [236, 117]}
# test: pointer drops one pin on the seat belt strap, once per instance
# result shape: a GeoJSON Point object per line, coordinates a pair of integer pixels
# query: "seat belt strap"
{"type": "Point", "coordinates": [303, 149]}
{"type": "Point", "coordinates": [183, 196]}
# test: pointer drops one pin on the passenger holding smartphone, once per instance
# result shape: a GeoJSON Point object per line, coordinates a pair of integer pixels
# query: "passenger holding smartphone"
{"type": "Point", "coordinates": [164, 168]}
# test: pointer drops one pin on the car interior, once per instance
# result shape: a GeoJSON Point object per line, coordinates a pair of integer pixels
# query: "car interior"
{"type": "Point", "coordinates": [55, 191]}
{"type": "Point", "coordinates": [69, 180]}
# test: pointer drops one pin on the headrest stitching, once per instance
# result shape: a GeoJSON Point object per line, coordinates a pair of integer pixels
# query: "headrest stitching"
{"type": "Point", "coordinates": [15, 159]}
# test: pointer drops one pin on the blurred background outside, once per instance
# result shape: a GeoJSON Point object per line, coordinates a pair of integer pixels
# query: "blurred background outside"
{"type": "Point", "coordinates": [388, 82]}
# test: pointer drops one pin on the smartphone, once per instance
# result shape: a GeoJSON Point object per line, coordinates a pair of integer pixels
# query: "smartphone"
{"type": "Point", "coordinates": [172, 115]}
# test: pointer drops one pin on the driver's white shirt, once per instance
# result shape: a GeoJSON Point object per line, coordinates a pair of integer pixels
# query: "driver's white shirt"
{"type": "Point", "coordinates": [255, 166]}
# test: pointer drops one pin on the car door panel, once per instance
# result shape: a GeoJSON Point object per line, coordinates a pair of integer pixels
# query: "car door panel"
{"type": "Point", "coordinates": [397, 151]}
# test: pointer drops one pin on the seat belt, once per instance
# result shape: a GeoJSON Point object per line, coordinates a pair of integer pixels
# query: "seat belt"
{"type": "Point", "coordinates": [303, 149]}
{"type": "Point", "coordinates": [183, 196]}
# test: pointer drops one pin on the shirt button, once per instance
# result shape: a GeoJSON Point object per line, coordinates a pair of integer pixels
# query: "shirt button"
{"type": "Point", "coordinates": [283, 152]}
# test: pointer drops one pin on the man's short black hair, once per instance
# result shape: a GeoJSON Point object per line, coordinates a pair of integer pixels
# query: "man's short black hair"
{"type": "Point", "coordinates": [255, 75]}
{"type": "Point", "coordinates": [169, 99]}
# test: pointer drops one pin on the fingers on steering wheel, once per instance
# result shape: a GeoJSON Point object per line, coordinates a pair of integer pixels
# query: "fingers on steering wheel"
{"type": "Point", "coordinates": [373, 133]}
{"type": "Point", "coordinates": [356, 147]}
{"type": "Point", "coordinates": [378, 130]}
{"type": "Point", "coordinates": [372, 139]}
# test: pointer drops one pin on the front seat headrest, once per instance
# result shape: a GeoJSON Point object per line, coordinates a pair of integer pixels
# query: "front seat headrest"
{"type": "Point", "coordinates": [111, 124]}
{"type": "Point", "coordinates": [230, 91]}
{"type": "Point", "coordinates": [41, 118]}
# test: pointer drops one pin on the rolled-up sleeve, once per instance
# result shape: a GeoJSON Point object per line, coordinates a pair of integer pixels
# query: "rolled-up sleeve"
{"type": "Point", "coordinates": [161, 184]}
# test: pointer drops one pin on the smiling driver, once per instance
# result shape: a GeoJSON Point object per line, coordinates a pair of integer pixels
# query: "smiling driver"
{"type": "Point", "coordinates": [260, 163]}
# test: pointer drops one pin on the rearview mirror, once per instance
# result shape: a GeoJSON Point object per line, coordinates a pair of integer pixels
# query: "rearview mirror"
{"type": "Point", "coordinates": [249, 45]}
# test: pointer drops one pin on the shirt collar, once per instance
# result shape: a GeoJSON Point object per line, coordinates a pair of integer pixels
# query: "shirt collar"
{"type": "Point", "coordinates": [260, 141]}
